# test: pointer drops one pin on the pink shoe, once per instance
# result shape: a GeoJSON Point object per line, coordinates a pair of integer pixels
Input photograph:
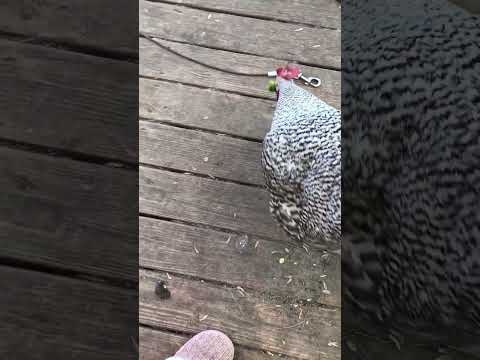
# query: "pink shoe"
{"type": "Point", "coordinates": [207, 345]}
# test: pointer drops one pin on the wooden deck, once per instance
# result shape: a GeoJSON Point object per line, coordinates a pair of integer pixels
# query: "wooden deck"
{"type": "Point", "coordinates": [63, 256]}
{"type": "Point", "coordinates": [204, 223]}
{"type": "Point", "coordinates": [205, 228]}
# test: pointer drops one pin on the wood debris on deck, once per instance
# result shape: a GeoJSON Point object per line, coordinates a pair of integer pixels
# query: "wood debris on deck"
{"type": "Point", "coordinates": [205, 228]}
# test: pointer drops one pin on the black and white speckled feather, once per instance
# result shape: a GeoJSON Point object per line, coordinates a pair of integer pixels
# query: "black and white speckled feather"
{"type": "Point", "coordinates": [302, 165]}
{"type": "Point", "coordinates": [411, 147]}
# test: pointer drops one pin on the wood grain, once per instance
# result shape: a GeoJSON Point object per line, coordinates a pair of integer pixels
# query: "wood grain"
{"type": "Point", "coordinates": [53, 214]}
{"type": "Point", "coordinates": [158, 344]}
{"type": "Point", "coordinates": [312, 46]}
{"type": "Point", "coordinates": [230, 206]}
{"type": "Point", "coordinates": [54, 317]}
{"type": "Point", "coordinates": [322, 13]}
{"type": "Point", "coordinates": [246, 318]}
{"type": "Point", "coordinates": [205, 109]}
{"type": "Point", "coordinates": [199, 152]}
{"type": "Point", "coordinates": [87, 104]}
{"type": "Point", "coordinates": [87, 23]}
{"type": "Point", "coordinates": [160, 64]}
{"type": "Point", "coordinates": [249, 262]}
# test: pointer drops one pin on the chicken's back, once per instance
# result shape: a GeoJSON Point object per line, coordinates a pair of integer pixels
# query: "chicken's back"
{"type": "Point", "coordinates": [301, 161]}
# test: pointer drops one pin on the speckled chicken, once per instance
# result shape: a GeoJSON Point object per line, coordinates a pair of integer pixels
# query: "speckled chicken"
{"type": "Point", "coordinates": [301, 161]}
{"type": "Point", "coordinates": [411, 160]}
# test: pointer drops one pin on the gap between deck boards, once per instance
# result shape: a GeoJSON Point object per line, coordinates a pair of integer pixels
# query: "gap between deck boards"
{"type": "Point", "coordinates": [60, 44]}
{"type": "Point", "coordinates": [156, 344]}
{"type": "Point", "coordinates": [238, 259]}
{"type": "Point", "coordinates": [25, 264]}
{"type": "Point", "coordinates": [192, 151]}
{"type": "Point", "coordinates": [200, 175]}
{"type": "Point", "coordinates": [204, 87]}
{"type": "Point", "coordinates": [247, 318]}
{"type": "Point", "coordinates": [317, 13]}
{"type": "Point", "coordinates": [159, 64]}
{"type": "Point", "coordinates": [309, 46]}
{"type": "Point", "coordinates": [200, 129]}
{"type": "Point", "coordinates": [61, 153]}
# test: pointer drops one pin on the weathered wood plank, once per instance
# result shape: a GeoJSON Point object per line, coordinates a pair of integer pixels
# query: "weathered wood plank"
{"type": "Point", "coordinates": [158, 63]}
{"type": "Point", "coordinates": [80, 22]}
{"type": "Point", "coordinates": [47, 205]}
{"type": "Point", "coordinates": [158, 345]}
{"type": "Point", "coordinates": [237, 260]}
{"type": "Point", "coordinates": [247, 319]}
{"type": "Point", "coordinates": [204, 153]}
{"type": "Point", "coordinates": [226, 205]}
{"type": "Point", "coordinates": [313, 46]}
{"type": "Point", "coordinates": [205, 109]}
{"type": "Point", "coordinates": [87, 104]}
{"type": "Point", "coordinates": [323, 13]}
{"type": "Point", "coordinates": [51, 317]}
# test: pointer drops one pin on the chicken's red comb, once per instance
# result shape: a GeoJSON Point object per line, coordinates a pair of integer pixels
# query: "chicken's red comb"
{"type": "Point", "coordinates": [289, 72]}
